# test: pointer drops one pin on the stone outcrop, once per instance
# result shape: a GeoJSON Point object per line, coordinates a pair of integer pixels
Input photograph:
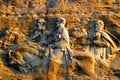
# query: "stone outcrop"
{"type": "Point", "coordinates": [22, 14]}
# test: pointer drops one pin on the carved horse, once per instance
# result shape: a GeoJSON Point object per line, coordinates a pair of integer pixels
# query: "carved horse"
{"type": "Point", "coordinates": [25, 57]}
{"type": "Point", "coordinates": [13, 35]}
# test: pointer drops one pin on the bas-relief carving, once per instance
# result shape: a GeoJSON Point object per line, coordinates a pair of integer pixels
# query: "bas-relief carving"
{"type": "Point", "coordinates": [103, 45]}
{"type": "Point", "coordinates": [29, 55]}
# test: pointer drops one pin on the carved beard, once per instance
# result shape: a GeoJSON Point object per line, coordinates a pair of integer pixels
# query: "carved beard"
{"type": "Point", "coordinates": [58, 24]}
{"type": "Point", "coordinates": [41, 27]}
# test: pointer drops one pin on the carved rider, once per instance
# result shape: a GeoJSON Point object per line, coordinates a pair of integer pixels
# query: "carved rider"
{"type": "Point", "coordinates": [59, 52]}
{"type": "Point", "coordinates": [60, 42]}
{"type": "Point", "coordinates": [39, 29]}
{"type": "Point", "coordinates": [104, 46]}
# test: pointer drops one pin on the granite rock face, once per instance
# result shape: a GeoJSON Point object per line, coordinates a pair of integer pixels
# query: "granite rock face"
{"type": "Point", "coordinates": [23, 14]}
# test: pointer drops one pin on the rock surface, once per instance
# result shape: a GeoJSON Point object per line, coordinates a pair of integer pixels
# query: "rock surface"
{"type": "Point", "coordinates": [78, 13]}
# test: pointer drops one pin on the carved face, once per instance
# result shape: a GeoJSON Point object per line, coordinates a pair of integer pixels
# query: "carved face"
{"type": "Point", "coordinates": [60, 21]}
{"type": "Point", "coordinates": [41, 24]}
{"type": "Point", "coordinates": [99, 25]}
